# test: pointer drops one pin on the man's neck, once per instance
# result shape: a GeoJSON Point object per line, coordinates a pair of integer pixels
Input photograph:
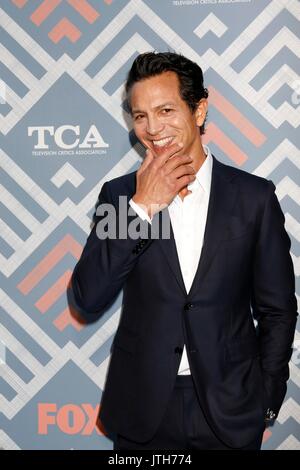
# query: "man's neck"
{"type": "Point", "coordinates": [196, 165]}
{"type": "Point", "coordinates": [198, 162]}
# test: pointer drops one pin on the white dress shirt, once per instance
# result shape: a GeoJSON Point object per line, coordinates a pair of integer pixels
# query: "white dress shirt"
{"type": "Point", "coordinates": [188, 219]}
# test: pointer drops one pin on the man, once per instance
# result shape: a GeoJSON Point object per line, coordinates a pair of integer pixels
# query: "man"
{"type": "Point", "coordinates": [189, 370]}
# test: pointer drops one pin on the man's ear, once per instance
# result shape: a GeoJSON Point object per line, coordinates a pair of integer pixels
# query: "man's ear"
{"type": "Point", "coordinates": [201, 111]}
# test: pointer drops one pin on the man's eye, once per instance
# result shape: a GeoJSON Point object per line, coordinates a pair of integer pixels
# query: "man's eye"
{"type": "Point", "coordinates": [138, 117]}
{"type": "Point", "coordinates": [166, 110]}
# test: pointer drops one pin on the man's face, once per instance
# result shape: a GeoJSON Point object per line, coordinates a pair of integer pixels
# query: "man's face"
{"type": "Point", "coordinates": [161, 117]}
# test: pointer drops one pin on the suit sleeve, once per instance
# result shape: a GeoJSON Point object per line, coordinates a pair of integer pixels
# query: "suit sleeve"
{"type": "Point", "coordinates": [106, 262]}
{"type": "Point", "coordinates": [273, 301]}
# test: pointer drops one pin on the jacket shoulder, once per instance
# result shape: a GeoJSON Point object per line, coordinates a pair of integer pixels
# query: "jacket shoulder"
{"type": "Point", "coordinates": [112, 189]}
{"type": "Point", "coordinates": [122, 185]}
{"type": "Point", "coordinates": [247, 181]}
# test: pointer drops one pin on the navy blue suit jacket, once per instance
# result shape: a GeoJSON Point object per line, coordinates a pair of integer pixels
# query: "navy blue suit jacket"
{"type": "Point", "coordinates": [245, 271]}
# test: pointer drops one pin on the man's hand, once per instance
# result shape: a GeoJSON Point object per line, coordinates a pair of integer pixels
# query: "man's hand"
{"type": "Point", "coordinates": [160, 178]}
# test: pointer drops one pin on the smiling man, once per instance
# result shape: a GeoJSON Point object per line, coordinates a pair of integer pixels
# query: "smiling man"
{"type": "Point", "coordinates": [189, 369]}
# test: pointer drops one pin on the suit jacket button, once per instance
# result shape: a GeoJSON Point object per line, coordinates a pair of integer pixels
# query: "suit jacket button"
{"type": "Point", "coordinates": [188, 306]}
{"type": "Point", "coordinates": [178, 350]}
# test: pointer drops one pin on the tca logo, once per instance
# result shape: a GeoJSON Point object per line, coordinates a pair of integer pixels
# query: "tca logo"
{"type": "Point", "coordinates": [92, 139]}
{"type": "Point", "coordinates": [70, 418]}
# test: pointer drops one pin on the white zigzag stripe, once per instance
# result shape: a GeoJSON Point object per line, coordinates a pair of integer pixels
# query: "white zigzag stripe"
{"type": "Point", "coordinates": [290, 443]}
{"type": "Point", "coordinates": [295, 374]}
{"type": "Point", "coordinates": [292, 226]}
{"type": "Point", "coordinates": [281, 39]}
{"type": "Point", "coordinates": [289, 409]}
{"type": "Point", "coordinates": [285, 150]}
{"type": "Point", "coordinates": [211, 24]}
{"type": "Point", "coordinates": [57, 213]}
{"type": "Point", "coordinates": [67, 173]}
{"type": "Point", "coordinates": [255, 98]}
{"type": "Point", "coordinates": [11, 238]}
{"type": "Point", "coordinates": [59, 356]}
{"type": "Point", "coordinates": [6, 442]}
{"type": "Point", "coordinates": [78, 213]}
{"type": "Point", "coordinates": [20, 351]}
{"type": "Point", "coordinates": [18, 210]}
{"type": "Point", "coordinates": [21, 72]}
{"type": "Point", "coordinates": [257, 26]}
{"type": "Point", "coordinates": [106, 36]}
{"type": "Point", "coordinates": [11, 98]}
{"type": "Point", "coordinates": [296, 263]}
{"type": "Point", "coordinates": [287, 187]}
{"type": "Point", "coordinates": [135, 44]}
{"type": "Point", "coordinates": [210, 59]}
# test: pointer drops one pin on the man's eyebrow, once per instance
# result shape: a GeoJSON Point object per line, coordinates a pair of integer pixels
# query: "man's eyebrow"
{"type": "Point", "coordinates": [135, 111]}
{"type": "Point", "coordinates": [160, 106]}
{"type": "Point", "coordinates": [165, 105]}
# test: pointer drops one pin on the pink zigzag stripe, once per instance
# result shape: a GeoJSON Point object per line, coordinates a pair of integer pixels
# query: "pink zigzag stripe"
{"type": "Point", "coordinates": [231, 113]}
{"type": "Point", "coordinates": [66, 318]}
{"type": "Point", "coordinates": [85, 9]}
{"type": "Point", "coordinates": [214, 134]}
{"type": "Point", "coordinates": [19, 3]}
{"type": "Point", "coordinates": [54, 292]}
{"type": "Point", "coordinates": [64, 28]}
{"type": "Point", "coordinates": [69, 315]}
{"type": "Point", "coordinates": [43, 11]}
{"type": "Point", "coordinates": [267, 435]}
{"type": "Point", "coordinates": [64, 246]}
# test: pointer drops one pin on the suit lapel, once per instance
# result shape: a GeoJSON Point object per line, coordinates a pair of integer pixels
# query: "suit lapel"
{"type": "Point", "coordinates": [168, 246]}
{"type": "Point", "coordinates": [222, 197]}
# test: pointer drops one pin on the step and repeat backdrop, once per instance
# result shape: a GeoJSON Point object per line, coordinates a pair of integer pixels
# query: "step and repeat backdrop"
{"type": "Point", "coordinates": [64, 132]}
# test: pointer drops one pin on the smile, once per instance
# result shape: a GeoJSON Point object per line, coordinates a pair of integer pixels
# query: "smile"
{"type": "Point", "coordinates": [162, 142]}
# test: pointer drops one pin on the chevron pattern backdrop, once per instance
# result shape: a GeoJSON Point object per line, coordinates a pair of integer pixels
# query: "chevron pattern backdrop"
{"type": "Point", "coordinates": [64, 132]}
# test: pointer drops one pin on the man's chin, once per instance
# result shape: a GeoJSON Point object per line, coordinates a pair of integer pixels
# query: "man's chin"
{"type": "Point", "coordinates": [161, 150]}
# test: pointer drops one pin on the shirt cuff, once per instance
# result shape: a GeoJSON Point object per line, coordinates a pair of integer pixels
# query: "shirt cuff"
{"type": "Point", "coordinates": [140, 212]}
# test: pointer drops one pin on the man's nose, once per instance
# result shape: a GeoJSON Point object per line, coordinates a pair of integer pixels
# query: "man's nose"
{"type": "Point", "coordinates": [154, 125]}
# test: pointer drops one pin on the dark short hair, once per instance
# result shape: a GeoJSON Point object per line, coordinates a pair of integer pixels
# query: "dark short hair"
{"type": "Point", "coordinates": [189, 74]}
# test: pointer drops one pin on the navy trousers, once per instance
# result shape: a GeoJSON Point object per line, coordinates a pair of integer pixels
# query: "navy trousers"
{"type": "Point", "coordinates": [183, 426]}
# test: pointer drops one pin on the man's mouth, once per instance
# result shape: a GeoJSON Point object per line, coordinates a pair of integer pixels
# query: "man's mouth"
{"type": "Point", "coordinates": [162, 142]}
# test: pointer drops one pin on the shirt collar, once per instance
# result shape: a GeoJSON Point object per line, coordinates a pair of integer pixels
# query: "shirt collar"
{"type": "Point", "coordinates": [203, 175]}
